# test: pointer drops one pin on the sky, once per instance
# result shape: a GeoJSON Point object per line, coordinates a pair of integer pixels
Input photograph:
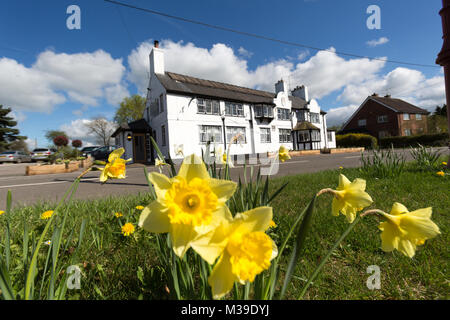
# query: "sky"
{"type": "Point", "coordinates": [56, 78]}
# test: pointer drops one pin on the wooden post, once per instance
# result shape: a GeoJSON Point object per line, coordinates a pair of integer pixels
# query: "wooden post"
{"type": "Point", "coordinates": [443, 58]}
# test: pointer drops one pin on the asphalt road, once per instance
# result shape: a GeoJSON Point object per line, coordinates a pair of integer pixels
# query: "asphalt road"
{"type": "Point", "coordinates": [32, 189]}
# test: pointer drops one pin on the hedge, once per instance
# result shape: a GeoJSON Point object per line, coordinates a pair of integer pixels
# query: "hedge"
{"type": "Point", "coordinates": [356, 140]}
{"type": "Point", "coordinates": [433, 140]}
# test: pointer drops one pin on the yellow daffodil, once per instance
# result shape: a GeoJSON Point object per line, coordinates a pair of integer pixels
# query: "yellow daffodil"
{"type": "Point", "coordinates": [115, 168]}
{"type": "Point", "coordinates": [178, 149]}
{"type": "Point", "coordinates": [1, 212]}
{"type": "Point", "coordinates": [118, 214]}
{"type": "Point", "coordinates": [405, 230]}
{"type": "Point", "coordinates": [340, 168]}
{"type": "Point", "coordinates": [47, 215]}
{"type": "Point", "coordinates": [140, 207]}
{"type": "Point", "coordinates": [350, 197]}
{"type": "Point", "coordinates": [159, 163]}
{"type": "Point", "coordinates": [127, 229]}
{"type": "Point", "coordinates": [444, 163]}
{"type": "Point", "coordinates": [283, 154]}
{"type": "Point", "coordinates": [440, 173]}
{"type": "Point", "coordinates": [245, 250]}
{"type": "Point", "coordinates": [188, 205]}
{"type": "Point", "coordinates": [223, 158]}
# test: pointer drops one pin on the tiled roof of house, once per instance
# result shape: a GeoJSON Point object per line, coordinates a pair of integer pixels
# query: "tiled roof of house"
{"type": "Point", "coordinates": [304, 125]}
{"type": "Point", "coordinates": [399, 105]}
{"type": "Point", "coordinates": [182, 84]}
{"type": "Point", "coordinates": [298, 103]}
{"type": "Point", "coordinates": [140, 125]}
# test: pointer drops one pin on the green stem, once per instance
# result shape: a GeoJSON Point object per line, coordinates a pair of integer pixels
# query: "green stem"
{"type": "Point", "coordinates": [327, 256]}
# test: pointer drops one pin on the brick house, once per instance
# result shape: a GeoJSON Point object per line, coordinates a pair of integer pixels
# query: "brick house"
{"type": "Point", "coordinates": [385, 116]}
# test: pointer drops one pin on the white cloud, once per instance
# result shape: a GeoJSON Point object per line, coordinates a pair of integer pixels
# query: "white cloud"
{"type": "Point", "coordinates": [56, 78]}
{"type": "Point", "coordinates": [245, 53]}
{"type": "Point", "coordinates": [302, 55]}
{"type": "Point", "coordinates": [337, 116]}
{"type": "Point", "coordinates": [377, 42]}
{"type": "Point", "coordinates": [77, 129]}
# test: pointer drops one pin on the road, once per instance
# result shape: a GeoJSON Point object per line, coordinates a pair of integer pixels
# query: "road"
{"type": "Point", "coordinates": [31, 189]}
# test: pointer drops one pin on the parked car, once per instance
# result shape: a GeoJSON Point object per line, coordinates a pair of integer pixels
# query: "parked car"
{"type": "Point", "coordinates": [88, 150]}
{"type": "Point", "coordinates": [102, 153]}
{"type": "Point", "coordinates": [14, 156]}
{"type": "Point", "coordinates": [42, 154]}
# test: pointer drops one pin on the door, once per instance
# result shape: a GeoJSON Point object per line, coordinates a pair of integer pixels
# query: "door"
{"type": "Point", "coordinates": [139, 153]}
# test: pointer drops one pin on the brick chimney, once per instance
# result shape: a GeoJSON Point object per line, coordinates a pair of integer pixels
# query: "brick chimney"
{"type": "Point", "coordinates": [301, 92]}
{"type": "Point", "coordinates": [156, 59]}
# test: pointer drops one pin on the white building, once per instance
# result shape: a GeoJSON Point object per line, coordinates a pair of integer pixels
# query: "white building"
{"type": "Point", "coordinates": [186, 111]}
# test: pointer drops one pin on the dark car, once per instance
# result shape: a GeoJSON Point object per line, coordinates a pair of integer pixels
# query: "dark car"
{"type": "Point", "coordinates": [88, 150]}
{"type": "Point", "coordinates": [102, 153]}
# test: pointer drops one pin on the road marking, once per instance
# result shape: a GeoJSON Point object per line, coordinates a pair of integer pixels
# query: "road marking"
{"type": "Point", "coordinates": [353, 157]}
{"type": "Point", "coordinates": [41, 183]}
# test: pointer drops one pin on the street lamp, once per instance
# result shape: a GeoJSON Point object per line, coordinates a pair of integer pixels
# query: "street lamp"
{"type": "Point", "coordinates": [224, 134]}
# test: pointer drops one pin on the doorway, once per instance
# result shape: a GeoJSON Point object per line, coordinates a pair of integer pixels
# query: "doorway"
{"type": "Point", "coordinates": [139, 153]}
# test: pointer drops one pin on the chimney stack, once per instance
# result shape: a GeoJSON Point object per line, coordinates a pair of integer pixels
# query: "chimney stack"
{"type": "Point", "coordinates": [280, 86]}
{"type": "Point", "coordinates": [301, 92]}
{"type": "Point", "coordinates": [156, 59]}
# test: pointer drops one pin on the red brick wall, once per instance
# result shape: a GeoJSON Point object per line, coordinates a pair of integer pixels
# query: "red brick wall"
{"type": "Point", "coordinates": [370, 111]}
{"type": "Point", "coordinates": [416, 126]}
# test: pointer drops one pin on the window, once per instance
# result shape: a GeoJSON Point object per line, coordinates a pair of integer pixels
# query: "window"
{"type": "Point", "coordinates": [301, 116]}
{"type": "Point", "coordinates": [265, 135]}
{"type": "Point", "coordinates": [208, 106]}
{"type": "Point", "coordinates": [161, 103]}
{"type": "Point", "coordinates": [382, 119]}
{"type": "Point", "coordinates": [315, 135]}
{"type": "Point", "coordinates": [406, 116]}
{"type": "Point", "coordinates": [210, 133]}
{"type": "Point", "coordinates": [234, 109]}
{"type": "Point", "coordinates": [383, 134]}
{"type": "Point", "coordinates": [303, 136]}
{"type": "Point", "coordinates": [362, 122]}
{"type": "Point", "coordinates": [233, 131]}
{"type": "Point", "coordinates": [163, 135]}
{"type": "Point", "coordinates": [330, 136]}
{"type": "Point", "coordinates": [418, 116]}
{"type": "Point", "coordinates": [315, 117]}
{"type": "Point", "coordinates": [407, 132]}
{"type": "Point", "coordinates": [264, 110]}
{"type": "Point", "coordinates": [285, 135]}
{"type": "Point", "coordinates": [283, 114]}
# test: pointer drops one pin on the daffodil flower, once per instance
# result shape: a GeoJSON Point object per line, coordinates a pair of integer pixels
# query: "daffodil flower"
{"type": "Point", "coordinates": [283, 154]}
{"type": "Point", "coordinates": [1, 212]}
{"type": "Point", "coordinates": [188, 205]}
{"type": "Point", "coordinates": [350, 197]}
{"type": "Point", "coordinates": [223, 158]}
{"type": "Point", "coordinates": [178, 149]}
{"type": "Point", "coordinates": [405, 230]}
{"type": "Point", "coordinates": [245, 250]}
{"type": "Point", "coordinates": [115, 168]}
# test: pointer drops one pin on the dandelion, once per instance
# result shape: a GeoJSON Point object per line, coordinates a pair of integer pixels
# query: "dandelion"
{"type": "Point", "coordinates": [349, 197]}
{"type": "Point", "coordinates": [115, 168]}
{"type": "Point", "coordinates": [244, 248]}
{"type": "Point", "coordinates": [188, 205]}
{"type": "Point", "coordinates": [127, 229]}
{"type": "Point", "coordinates": [1, 212]}
{"type": "Point", "coordinates": [48, 242]}
{"type": "Point", "coordinates": [340, 168]}
{"type": "Point", "coordinates": [444, 163]}
{"type": "Point", "coordinates": [47, 215]}
{"type": "Point", "coordinates": [404, 230]}
{"type": "Point", "coordinates": [140, 207]}
{"type": "Point", "coordinates": [283, 154]}
{"type": "Point", "coordinates": [118, 214]}
{"type": "Point", "coordinates": [440, 173]}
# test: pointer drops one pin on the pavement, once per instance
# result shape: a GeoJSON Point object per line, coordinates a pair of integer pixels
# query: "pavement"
{"type": "Point", "coordinates": [28, 190]}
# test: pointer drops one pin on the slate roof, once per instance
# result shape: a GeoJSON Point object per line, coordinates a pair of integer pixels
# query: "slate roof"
{"type": "Point", "coordinates": [187, 85]}
{"type": "Point", "coordinates": [399, 105]}
{"type": "Point", "coordinates": [137, 126]}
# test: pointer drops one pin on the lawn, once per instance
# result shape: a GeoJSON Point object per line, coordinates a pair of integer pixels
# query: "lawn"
{"type": "Point", "coordinates": [118, 267]}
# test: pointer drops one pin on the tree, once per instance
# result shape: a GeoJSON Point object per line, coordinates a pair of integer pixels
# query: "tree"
{"type": "Point", "coordinates": [50, 135]}
{"type": "Point", "coordinates": [19, 145]}
{"type": "Point", "coordinates": [441, 111]}
{"type": "Point", "coordinates": [8, 134]}
{"type": "Point", "coordinates": [77, 143]}
{"type": "Point", "coordinates": [131, 109]}
{"type": "Point", "coordinates": [102, 129]}
{"type": "Point", "coordinates": [61, 141]}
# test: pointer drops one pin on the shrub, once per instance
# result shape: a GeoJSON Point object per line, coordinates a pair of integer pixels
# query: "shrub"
{"type": "Point", "coordinates": [425, 159]}
{"type": "Point", "coordinates": [356, 140]}
{"type": "Point", "coordinates": [61, 141]}
{"type": "Point", "coordinates": [434, 140]}
{"type": "Point", "coordinates": [77, 143]}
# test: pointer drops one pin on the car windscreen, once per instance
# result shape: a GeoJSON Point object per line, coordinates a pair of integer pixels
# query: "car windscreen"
{"type": "Point", "coordinates": [89, 148]}
{"type": "Point", "coordinates": [40, 150]}
{"type": "Point", "coordinates": [8, 152]}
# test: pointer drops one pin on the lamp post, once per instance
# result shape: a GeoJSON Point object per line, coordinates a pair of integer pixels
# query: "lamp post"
{"type": "Point", "coordinates": [443, 57]}
{"type": "Point", "coordinates": [224, 134]}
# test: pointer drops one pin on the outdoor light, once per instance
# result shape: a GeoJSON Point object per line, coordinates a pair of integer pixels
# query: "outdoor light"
{"type": "Point", "coordinates": [129, 137]}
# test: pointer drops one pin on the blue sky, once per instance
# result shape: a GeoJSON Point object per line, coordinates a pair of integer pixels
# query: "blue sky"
{"type": "Point", "coordinates": [54, 78]}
